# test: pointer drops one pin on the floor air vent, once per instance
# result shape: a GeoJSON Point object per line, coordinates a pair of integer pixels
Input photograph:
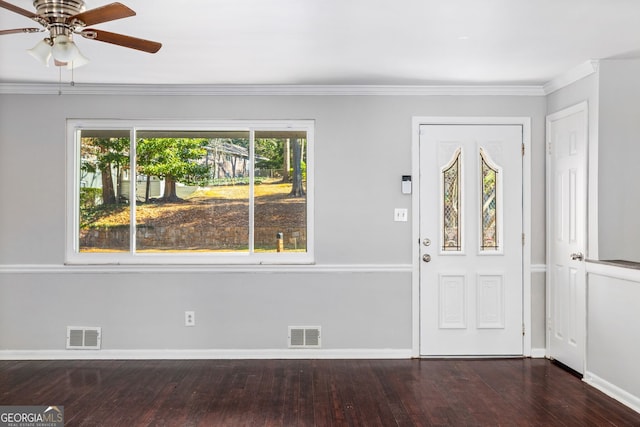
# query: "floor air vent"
{"type": "Point", "coordinates": [83, 338]}
{"type": "Point", "coordinates": [304, 337]}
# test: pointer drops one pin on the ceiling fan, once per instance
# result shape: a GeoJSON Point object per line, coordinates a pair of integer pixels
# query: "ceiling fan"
{"type": "Point", "coordinates": [64, 18]}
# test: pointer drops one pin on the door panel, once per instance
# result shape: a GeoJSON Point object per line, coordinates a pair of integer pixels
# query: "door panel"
{"type": "Point", "coordinates": [566, 321]}
{"type": "Point", "coordinates": [490, 301]}
{"type": "Point", "coordinates": [471, 216]}
{"type": "Point", "coordinates": [453, 301]}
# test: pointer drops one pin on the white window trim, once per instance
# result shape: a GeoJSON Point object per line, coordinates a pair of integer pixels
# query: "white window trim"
{"type": "Point", "coordinates": [74, 256]}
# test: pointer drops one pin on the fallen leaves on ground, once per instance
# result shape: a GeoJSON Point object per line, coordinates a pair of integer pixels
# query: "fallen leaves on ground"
{"type": "Point", "coordinates": [218, 206]}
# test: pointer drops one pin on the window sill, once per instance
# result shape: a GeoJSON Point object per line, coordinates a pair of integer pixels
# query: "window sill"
{"type": "Point", "coordinates": [176, 261]}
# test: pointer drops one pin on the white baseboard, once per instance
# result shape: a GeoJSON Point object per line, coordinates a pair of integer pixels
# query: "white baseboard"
{"type": "Point", "coordinates": [538, 353]}
{"type": "Point", "coordinates": [204, 354]}
{"type": "Point", "coordinates": [216, 354]}
{"type": "Point", "coordinates": [613, 391]}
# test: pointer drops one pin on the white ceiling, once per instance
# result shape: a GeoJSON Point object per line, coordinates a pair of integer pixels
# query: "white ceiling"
{"type": "Point", "coordinates": [341, 42]}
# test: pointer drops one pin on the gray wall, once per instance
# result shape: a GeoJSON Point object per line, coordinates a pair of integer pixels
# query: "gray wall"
{"type": "Point", "coordinates": [619, 154]}
{"type": "Point", "coordinates": [613, 96]}
{"type": "Point", "coordinates": [357, 309]}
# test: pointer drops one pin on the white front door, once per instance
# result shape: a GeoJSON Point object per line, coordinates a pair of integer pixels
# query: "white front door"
{"type": "Point", "coordinates": [566, 306]}
{"type": "Point", "coordinates": [471, 224]}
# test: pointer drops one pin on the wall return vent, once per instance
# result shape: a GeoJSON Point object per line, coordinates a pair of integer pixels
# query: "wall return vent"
{"type": "Point", "coordinates": [304, 336]}
{"type": "Point", "coordinates": [84, 338]}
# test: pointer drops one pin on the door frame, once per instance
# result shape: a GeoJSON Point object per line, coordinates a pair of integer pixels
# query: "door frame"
{"type": "Point", "coordinates": [525, 122]}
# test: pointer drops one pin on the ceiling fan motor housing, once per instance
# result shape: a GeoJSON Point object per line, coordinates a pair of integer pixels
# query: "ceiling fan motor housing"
{"type": "Point", "coordinates": [54, 14]}
{"type": "Point", "coordinates": [61, 9]}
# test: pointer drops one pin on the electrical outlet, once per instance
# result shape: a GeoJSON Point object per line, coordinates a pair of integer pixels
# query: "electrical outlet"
{"type": "Point", "coordinates": [400, 214]}
{"type": "Point", "coordinates": [189, 318]}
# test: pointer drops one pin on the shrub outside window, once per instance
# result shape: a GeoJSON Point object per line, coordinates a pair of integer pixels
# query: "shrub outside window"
{"type": "Point", "coordinates": [185, 192]}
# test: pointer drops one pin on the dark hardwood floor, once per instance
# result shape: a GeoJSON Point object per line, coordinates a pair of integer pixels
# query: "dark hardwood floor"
{"type": "Point", "coordinates": [510, 392]}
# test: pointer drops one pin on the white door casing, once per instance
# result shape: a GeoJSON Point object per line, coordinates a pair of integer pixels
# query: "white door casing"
{"type": "Point", "coordinates": [567, 137]}
{"type": "Point", "coordinates": [471, 295]}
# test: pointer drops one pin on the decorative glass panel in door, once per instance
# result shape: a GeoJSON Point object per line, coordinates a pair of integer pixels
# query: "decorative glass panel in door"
{"type": "Point", "coordinates": [451, 212]}
{"type": "Point", "coordinates": [491, 205]}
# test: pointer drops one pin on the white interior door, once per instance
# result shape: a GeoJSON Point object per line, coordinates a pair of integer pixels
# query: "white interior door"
{"type": "Point", "coordinates": [566, 311]}
{"type": "Point", "coordinates": [471, 223]}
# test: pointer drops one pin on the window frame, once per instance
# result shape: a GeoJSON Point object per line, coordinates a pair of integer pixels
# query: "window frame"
{"type": "Point", "coordinates": [72, 252]}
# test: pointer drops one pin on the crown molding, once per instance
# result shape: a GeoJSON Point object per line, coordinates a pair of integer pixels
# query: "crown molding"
{"type": "Point", "coordinates": [571, 76]}
{"type": "Point", "coordinates": [257, 90]}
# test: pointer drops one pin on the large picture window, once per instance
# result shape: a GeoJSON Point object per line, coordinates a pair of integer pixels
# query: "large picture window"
{"type": "Point", "coordinates": [233, 192]}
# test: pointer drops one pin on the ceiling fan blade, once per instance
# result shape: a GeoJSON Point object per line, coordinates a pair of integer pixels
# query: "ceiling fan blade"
{"type": "Point", "coordinates": [121, 40]}
{"type": "Point", "coordinates": [17, 9]}
{"type": "Point", "coordinates": [21, 30]}
{"type": "Point", "coordinates": [109, 12]}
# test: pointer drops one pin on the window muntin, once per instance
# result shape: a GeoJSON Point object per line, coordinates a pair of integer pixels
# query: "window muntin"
{"type": "Point", "coordinates": [202, 195]}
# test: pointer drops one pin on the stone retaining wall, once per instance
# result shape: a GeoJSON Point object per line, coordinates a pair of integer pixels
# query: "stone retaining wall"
{"type": "Point", "coordinates": [194, 238]}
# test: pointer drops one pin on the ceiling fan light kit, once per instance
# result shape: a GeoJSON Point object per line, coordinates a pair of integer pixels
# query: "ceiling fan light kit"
{"type": "Point", "coordinates": [64, 49]}
{"type": "Point", "coordinates": [41, 52]}
{"type": "Point", "coordinates": [64, 18]}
